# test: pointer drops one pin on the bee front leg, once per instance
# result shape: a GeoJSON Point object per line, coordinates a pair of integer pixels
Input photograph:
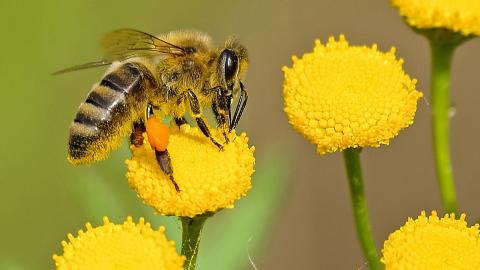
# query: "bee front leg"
{"type": "Point", "coordinates": [222, 115]}
{"type": "Point", "coordinates": [195, 108]}
{"type": "Point", "coordinates": [221, 100]}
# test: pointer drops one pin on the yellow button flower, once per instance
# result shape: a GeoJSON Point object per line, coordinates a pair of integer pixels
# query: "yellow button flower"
{"type": "Point", "coordinates": [431, 243]}
{"type": "Point", "coordinates": [461, 16]}
{"type": "Point", "coordinates": [128, 246]}
{"type": "Point", "coordinates": [209, 179]}
{"type": "Point", "coordinates": [342, 96]}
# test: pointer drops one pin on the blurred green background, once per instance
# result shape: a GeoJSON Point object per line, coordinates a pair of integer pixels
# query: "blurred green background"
{"type": "Point", "coordinates": [43, 197]}
{"type": "Point", "coordinates": [298, 214]}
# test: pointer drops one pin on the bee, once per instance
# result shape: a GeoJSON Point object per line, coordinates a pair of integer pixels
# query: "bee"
{"type": "Point", "coordinates": [174, 74]}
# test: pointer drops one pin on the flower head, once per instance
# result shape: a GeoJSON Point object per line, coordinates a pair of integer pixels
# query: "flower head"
{"type": "Point", "coordinates": [209, 179]}
{"type": "Point", "coordinates": [461, 16]}
{"type": "Point", "coordinates": [342, 96]}
{"type": "Point", "coordinates": [119, 247]}
{"type": "Point", "coordinates": [430, 243]}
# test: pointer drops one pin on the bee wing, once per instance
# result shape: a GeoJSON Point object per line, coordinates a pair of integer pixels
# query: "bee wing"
{"type": "Point", "coordinates": [122, 44]}
{"type": "Point", "coordinates": [126, 43]}
{"type": "Point", "coordinates": [98, 63]}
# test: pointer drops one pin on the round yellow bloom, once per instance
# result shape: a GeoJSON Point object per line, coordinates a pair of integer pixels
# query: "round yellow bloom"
{"type": "Point", "coordinates": [128, 246]}
{"type": "Point", "coordinates": [342, 96]}
{"type": "Point", "coordinates": [431, 243]}
{"type": "Point", "coordinates": [461, 16]}
{"type": "Point", "coordinates": [209, 179]}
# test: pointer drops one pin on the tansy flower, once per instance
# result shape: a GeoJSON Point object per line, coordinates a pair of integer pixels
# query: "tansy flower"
{"type": "Point", "coordinates": [208, 179]}
{"type": "Point", "coordinates": [128, 246]}
{"type": "Point", "coordinates": [461, 16]}
{"type": "Point", "coordinates": [430, 243]}
{"type": "Point", "coordinates": [341, 96]}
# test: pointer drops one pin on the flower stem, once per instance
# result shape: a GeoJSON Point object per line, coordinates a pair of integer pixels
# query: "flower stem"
{"type": "Point", "coordinates": [191, 235]}
{"type": "Point", "coordinates": [442, 54]}
{"type": "Point", "coordinates": [360, 211]}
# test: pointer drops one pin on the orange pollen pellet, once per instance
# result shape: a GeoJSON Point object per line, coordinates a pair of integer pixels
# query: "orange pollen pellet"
{"type": "Point", "coordinates": [158, 134]}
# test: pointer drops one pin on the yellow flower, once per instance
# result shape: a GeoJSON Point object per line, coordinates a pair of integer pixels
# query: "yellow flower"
{"type": "Point", "coordinates": [456, 15]}
{"type": "Point", "coordinates": [430, 243]}
{"type": "Point", "coordinates": [342, 96]}
{"type": "Point", "coordinates": [128, 246]}
{"type": "Point", "coordinates": [209, 179]}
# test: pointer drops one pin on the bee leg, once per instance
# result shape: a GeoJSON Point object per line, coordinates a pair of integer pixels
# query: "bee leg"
{"type": "Point", "coordinates": [136, 138]}
{"type": "Point", "coordinates": [242, 102]}
{"type": "Point", "coordinates": [222, 121]}
{"type": "Point", "coordinates": [195, 107]}
{"type": "Point", "coordinates": [179, 121]}
{"type": "Point", "coordinates": [163, 159]}
{"type": "Point", "coordinates": [206, 131]}
{"type": "Point", "coordinates": [221, 107]}
{"type": "Point", "coordinates": [161, 155]}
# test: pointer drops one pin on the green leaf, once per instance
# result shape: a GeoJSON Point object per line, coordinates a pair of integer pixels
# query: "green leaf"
{"type": "Point", "coordinates": [233, 236]}
{"type": "Point", "coordinates": [97, 198]}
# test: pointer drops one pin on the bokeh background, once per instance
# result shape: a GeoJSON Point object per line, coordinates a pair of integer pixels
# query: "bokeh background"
{"type": "Point", "coordinates": [298, 214]}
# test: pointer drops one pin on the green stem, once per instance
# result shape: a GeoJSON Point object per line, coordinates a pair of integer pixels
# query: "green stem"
{"type": "Point", "coordinates": [360, 211]}
{"type": "Point", "coordinates": [191, 235]}
{"type": "Point", "coordinates": [442, 54]}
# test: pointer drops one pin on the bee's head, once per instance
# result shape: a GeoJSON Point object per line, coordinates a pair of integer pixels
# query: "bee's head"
{"type": "Point", "coordinates": [232, 64]}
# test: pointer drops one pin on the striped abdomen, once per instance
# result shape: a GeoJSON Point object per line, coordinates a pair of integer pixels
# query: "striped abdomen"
{"type": "Point", "coordinates": [108, 113]}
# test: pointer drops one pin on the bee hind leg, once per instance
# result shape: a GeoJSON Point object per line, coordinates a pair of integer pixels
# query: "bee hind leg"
{"type": "Point", "coordinates": [165, 163]}
{"type": "Point", "coordinates": [195, 107]}
{"type": "Point", "coordinates": [158, 137]}
{"type": "Point", "coordinates": [136, 138]}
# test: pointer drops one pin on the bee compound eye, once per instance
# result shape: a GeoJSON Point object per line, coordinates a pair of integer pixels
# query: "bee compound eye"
{"type": "Point", "coordinates": [230, 61]}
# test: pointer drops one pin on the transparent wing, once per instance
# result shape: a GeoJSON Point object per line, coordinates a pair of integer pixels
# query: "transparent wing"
{"type": "Point", "coordinates": [126, 43]}
{"type": "Point", "coordinates": [122, 44]}
{"type": "Point", "coordinates": [83, 66]}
